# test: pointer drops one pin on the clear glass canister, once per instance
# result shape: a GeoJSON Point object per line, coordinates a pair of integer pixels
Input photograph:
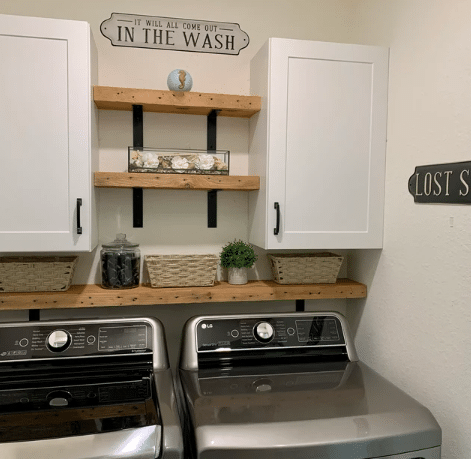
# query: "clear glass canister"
{"type": "Point", "coordinates": [120, 264]}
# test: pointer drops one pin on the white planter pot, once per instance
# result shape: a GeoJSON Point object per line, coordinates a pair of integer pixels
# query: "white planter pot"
{"type": "Point", "coordinates": [237, 276]}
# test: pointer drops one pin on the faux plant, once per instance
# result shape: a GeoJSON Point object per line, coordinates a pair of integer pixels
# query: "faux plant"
{"type": "Point", "coordinates": [238, 254]}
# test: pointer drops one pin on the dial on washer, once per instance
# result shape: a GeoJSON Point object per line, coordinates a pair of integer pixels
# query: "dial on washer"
{"type": "Point", "coordinates": [58, 340]}
{"type": "Point", "coordinates": [264, 332]}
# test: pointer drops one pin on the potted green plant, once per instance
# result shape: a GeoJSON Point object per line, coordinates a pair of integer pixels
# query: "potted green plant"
{"type": "Point", "coordinates": [237, 256]}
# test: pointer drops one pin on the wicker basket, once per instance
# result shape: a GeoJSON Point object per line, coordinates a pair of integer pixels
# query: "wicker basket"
{"type": "Point", "coordinates": [306, 268]}
{"type": "Point", "coordinates": [181, 270]}
{"type": "Point", "coordinates": [36, 274]}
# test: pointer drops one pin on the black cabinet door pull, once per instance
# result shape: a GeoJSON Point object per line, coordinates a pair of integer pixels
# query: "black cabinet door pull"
{"type": "Point", "coordinates": [79, 205]}
{"type": "Point", "coordinates": [276, 230]}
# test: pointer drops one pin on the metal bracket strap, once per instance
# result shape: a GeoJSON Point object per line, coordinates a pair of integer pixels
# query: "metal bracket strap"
{"type": "Point", "coordinates": [300, 306]}
{"type": "Point", "coordinates": [34, 315]}
{"type": "Point", "coordinates": [211, 146]}
{"type": "Point", "coordinates": [138, 142]}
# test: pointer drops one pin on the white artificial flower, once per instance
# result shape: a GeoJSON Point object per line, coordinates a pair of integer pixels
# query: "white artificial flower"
{"type": "Point", "coordinates": [179, 162]}
{"type": "Point", "coordinates": [205, 162]}
{"type": "Point", "coordinates": [150, 160]}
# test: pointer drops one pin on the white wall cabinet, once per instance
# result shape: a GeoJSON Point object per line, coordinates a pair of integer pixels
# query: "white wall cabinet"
{"type": "Point", "coordinates": [319, 145]}
{"type": "Point", "coordinates": [48, 135]}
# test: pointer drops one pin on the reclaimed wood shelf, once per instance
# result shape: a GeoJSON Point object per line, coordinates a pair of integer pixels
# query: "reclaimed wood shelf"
{"type": "Point", "coordinates": [92, 296]}
{"type": "Point", "coordinates": [190, 103]}
{"type": "Point", "coordinates": [177, 182]}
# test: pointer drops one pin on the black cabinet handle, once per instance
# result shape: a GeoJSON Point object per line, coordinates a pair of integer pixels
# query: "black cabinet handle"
{"type": "Point", "coordinates": [276, 230]}
{"type": "Point", "coordinates": [79, 205]}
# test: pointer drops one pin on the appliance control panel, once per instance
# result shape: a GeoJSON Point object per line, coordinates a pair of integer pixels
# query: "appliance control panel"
{"type": "Point", "coordinates": [264, 332]}
{"type": "Point", "coordinates": [77, 340]}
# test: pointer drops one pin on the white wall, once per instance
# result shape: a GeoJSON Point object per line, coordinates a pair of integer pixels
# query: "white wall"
{"type": "Point", "coordinates": [415, 325]}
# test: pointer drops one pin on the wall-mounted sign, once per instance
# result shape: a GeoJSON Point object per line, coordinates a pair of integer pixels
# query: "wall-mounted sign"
{"type": "Point", "coordinates": [442, 183]}
{"type": "Point", "coordinates": [175, 34]}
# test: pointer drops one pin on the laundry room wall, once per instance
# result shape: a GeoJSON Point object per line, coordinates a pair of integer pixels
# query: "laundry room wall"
{"type": "Point", "coordinates": [175, 221]}
{"type": "Point", "coordinates": [415, 325]}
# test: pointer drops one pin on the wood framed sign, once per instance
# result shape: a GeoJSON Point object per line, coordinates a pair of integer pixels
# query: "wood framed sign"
{"type": "Point", "coordinates": [442, 183]}
{"type": "Point", "coordinates": [176, 34]}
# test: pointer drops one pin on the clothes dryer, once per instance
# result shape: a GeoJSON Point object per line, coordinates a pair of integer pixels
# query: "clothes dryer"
{"type": "Point", "coordinates": [290, 386]}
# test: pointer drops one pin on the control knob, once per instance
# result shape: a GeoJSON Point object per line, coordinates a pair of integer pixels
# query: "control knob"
{"type": "Point", "coordinates": [264, 332]}
{"type": "Point", "coordinates": [58, 340]}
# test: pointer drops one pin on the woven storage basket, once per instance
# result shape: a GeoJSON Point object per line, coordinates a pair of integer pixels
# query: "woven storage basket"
{"type": "Point", "coordinates": [181, 270]}
{"type": "Point", "coordinates": [306, 268]}
{"type": "Point", "coordinates": [36, 274]}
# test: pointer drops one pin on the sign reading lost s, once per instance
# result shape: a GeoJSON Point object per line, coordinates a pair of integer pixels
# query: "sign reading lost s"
{"type": "Point", "coordinates": [442, 183]}
{"type": "Point", "coordinates": [176, 34]}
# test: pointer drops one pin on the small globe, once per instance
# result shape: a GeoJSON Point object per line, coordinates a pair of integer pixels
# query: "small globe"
{"type": "Point", "coordinates": [179, 80]}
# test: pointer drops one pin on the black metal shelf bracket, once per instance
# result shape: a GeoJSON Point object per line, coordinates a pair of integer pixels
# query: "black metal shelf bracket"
{"type": "Point", "coordinates": [212, 130]}
{"type": "Point", "coordinates": [212, 208]}
{"type": "Point", "coordinates": [137, 208]}
{"type": "Point", "coordinates": [34, 315]}
{"type": "Point", "coordinates": [138, 142]}
{"type": "Point", "coordinates": [211, 146]}
{"type": "Point", "coordinates": [300, 305]}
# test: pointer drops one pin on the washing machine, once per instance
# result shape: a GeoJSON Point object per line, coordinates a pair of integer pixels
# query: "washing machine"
{"type": "Point", "coordinates": [290, 386]}
{"type": "Point", "coordinates": [87, 389]}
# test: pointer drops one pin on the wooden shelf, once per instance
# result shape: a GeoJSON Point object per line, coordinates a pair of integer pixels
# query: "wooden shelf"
{"type": "Point", "coordinates": [177, 182]}
{"type": "Point", "coordinates": [191, 103]}
{"type": "Point", "coordinates": [92, 296]}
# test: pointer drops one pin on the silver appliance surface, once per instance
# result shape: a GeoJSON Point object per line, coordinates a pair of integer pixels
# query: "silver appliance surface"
{"type": "Point", "coordinates": [87, 389]}
{"type": "Point", "coordinates": [291, 385]}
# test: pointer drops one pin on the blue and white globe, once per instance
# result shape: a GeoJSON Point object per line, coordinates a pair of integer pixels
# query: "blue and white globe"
{"type": "Point", "coordinates": [179, 80]}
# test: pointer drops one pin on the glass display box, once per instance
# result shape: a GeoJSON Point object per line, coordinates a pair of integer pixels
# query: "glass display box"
{"type": "Point", "coordinates": [165, 161]}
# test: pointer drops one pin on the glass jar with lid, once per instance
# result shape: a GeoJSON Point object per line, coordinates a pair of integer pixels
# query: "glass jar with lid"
{"type": "Point", "coordinates": [120, 264]}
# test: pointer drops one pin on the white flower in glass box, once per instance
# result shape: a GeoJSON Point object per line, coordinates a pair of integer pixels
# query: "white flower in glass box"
{"type": "Point", "coordinates": [179, 163]}
{"type": "Point", "coordinates": [150, 160]}
{"type": "Point", "coordinates": [205, 162]}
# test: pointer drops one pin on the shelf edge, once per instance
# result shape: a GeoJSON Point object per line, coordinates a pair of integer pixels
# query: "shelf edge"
{"type": "Point", "coordinates": [177, 182]}
{"type": "Point", "coordinates": [92, 296]}
{"type": "Point", "coordinates": [192, 103]}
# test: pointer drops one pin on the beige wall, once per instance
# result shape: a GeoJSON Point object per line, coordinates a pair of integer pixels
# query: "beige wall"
{"type": "Point", "coordinates": [141, 68]}
{"type": "Point", "coordinates": [415, 326]}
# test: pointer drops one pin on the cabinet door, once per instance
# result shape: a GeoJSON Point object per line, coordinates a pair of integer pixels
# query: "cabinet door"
{"type": "Point", "coordinates": [327, 108]}
{"type": "Point", "coordinates": [45, 118]}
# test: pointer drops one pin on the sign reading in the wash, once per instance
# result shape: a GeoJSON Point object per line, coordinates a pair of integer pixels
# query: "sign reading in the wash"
{"type": "Point", "coordinates": [442, 183]}
{"type": "Point", "coordinates": [156, 32]}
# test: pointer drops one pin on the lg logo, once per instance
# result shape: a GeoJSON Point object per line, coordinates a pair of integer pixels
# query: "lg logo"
{"type": "Point", "coordinates": [203, 326]}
